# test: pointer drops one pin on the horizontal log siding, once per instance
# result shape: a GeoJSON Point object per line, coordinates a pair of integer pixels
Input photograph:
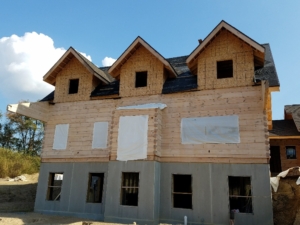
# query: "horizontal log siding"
{"type": "Point", "coordinates": [287, 163]}
{"type": "Point", "coordinates": [164, 141]}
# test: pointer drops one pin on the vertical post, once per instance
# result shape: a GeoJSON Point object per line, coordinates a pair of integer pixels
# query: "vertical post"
{"type": "Point", "coordinates": [185, 220]}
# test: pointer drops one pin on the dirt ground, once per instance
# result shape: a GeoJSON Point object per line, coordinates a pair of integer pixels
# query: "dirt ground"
{"type": "Point", "coordinates": [17, 203]}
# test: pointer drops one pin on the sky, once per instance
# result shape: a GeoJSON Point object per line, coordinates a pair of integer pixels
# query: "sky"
{"type": "Point", "coordinates": [34, 34]}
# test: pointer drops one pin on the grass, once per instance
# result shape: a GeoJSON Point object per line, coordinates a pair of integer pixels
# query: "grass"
{"type": "Point", "coordinates": [14, 164]}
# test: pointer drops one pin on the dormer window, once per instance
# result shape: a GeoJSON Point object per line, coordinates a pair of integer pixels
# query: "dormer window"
{"type": "Point", "coordinates": [73, 86]}
{"type": "Point", "coordinates": [141, 79]}
{"type": "Point", "coordinates": [224, 69]}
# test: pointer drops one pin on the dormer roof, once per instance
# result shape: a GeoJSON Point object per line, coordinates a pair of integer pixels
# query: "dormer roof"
{"type": "Point", "coordinates": [115, 68]}
{"type": "Point", "coordinates": [222, 25]}
{"type": "Point", "coordinates": [293, 112]}
{"type": "Point", "coordinates": [50, 76]}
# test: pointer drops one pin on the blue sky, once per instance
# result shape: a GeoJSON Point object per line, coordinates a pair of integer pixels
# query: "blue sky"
{"type": "Point", "coordinates": [34, 34]}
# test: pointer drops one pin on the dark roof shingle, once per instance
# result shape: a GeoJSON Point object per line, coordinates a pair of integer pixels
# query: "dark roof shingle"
{"type": "Point", "coordinates": [283, 128]}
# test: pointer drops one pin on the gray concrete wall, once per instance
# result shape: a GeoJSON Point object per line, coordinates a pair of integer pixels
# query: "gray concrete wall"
{"type": "Point", "coordinates": [74, 190]}
{"type": "Point", "coordinates": [147, 210]}
{"type": "Point", "coordinates": [211, 191]}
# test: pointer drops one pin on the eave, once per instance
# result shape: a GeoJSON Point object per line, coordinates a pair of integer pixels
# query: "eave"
{"type": "Point", "coordinates": [50, 76]}
{"type": "Point", "coordinates": [116, 67]}
{"type": "Point", "coordinates": [194, 55]}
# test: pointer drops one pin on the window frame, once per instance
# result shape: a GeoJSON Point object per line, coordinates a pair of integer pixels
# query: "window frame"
{"type": "Point", "coordinates": [72, 88]}
{"type": "Point", "coordinates": [223, 73]}
{"type": "Point", "coordinates": [241, 196]}
{"type": "Point", "coordinates": [291, 147]}
{"type": "Point", "coordinates": [101, 187]}
{"type": "Point", "coordinates": [141, 75]}
{"type": "Point", "coordinates": [51, 186]}
{"type": "Point", "coordinates": [129, 187]}
{"type": "Point", "coordinates": [181, 193]}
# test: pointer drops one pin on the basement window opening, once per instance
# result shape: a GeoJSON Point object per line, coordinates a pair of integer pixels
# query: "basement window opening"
{"type": "Point", "coordinates": [130, 189]}
{"type": "Point", "coordinates": [141, 79]}
{"type": "Point", "coordinates": [54, 186]}
{"type": "Point", "coordinates": [224, 69]}
{"type": "Point", "coordinates": [240, 194]}
{"type": "Point", "coordinates": [95, 187]}
{"type": "Point", "coordinates": [182, 191]}
{"type": "Point", "coordinates": [73, 86]}
{"type": "Point", "coordinates": [291, 152]}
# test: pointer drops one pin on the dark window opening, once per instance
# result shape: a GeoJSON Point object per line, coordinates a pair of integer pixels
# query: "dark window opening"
{"type": "Point", "coordinates": [95, 187]}
{"type": "Point", "coordinates": [130, 189]}
{"type": "Point", "coordinates": [54, 186]}
{"type": "Point", "coordinates": [240, 196]}
{"type": "Point", "coordinates": [73, 87]}
{"type": "Point", "coordinates": [291, 152]}
{"type": "Point", "coordinates": [141, 79]}
{"type": "Point", "coordinates": [275, 161]}
{"type": "Point", "coordinates": [182, 191]}
{"type": "Point", "coordinates": [224, 69]}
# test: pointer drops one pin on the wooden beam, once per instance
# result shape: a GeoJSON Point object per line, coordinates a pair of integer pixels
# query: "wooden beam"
{"type": "Point", "coordinates": [36, 110]}
{"type": "Point", "coordinates": [284, 137]}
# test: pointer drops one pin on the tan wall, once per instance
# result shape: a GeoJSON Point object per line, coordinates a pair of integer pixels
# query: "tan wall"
{"type": "Point", "coordinates": [225, 46]}
{"type": "Point", "coordinates": [287, 163]}
{"type": "Point", "coordinates": [246, 102]}
{"type": "Point", "coordinates": [73, 70]}
{"type": "Point", "coordinates": [141, 60]}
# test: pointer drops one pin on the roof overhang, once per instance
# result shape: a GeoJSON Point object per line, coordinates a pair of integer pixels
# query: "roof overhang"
{"type": "Point", "coordinates": [194, 55]}
{"type": "Point", "coordinates": [50, 76]}
{"type": "Point", "coordinates": [115, 68]}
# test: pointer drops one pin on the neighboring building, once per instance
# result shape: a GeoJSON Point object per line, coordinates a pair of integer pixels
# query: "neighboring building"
{"type": "Point", "coordinates": [285, 140]}
{"type": "Point", "coordinates": [151, 140]}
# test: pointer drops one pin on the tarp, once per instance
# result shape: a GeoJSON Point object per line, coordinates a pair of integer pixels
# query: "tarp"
{"type": "Point", "coordinates": [145, 106]}
{"type": "Point", "coordinates": [100, 135]}
{"type": "Point", "coordinates": [132, 138]}
{"type": "Point", "coordinates": [216, 129]}
{"type": "Point", "coordinates": [61, 136]}
{"type": "Point", "coordinates": [275, 180]}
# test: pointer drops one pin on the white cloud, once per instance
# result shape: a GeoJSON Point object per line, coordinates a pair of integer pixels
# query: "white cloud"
{"type": "Point", "coordinates": [23, 63]}
{"type": "Point", "coordinates": [108, 61]}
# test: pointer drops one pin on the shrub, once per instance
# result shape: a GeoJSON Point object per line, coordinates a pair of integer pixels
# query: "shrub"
{"type": "Point", "coordinates": [14, 164]}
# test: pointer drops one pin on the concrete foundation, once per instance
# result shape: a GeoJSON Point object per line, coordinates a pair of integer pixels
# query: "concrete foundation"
{"type": "Point", "coordinates": [210, 192]}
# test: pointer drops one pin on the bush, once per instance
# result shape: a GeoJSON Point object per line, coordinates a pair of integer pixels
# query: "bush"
{"type": "Point", "coordinates": [14, 164]}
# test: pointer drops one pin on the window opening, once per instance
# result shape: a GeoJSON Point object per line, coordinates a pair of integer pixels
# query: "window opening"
{"type": "Point", "coordinates": [73, 87]}
{"type": "Point", "coordinates": [95, 187]}
{"type": "Point", "coordinates": [291, 152]}
{"type": "Point", "coordinates": [54, 186]}
{"type": "Point", "coordinates": [240, 195]}
{"type": "Point", "coordinates": [130, 189]}
{"type": "Point", "coordinates": [141, 79]}
{"type": "Point", "coordinates": [182, 191]}
{"type": "Point", "coordinates": [224, 69]}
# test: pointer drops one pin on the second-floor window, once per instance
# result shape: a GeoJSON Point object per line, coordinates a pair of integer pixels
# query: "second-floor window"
{"type": "Point", "coordinates": [73, 86]}
{"type": "Point", "coordinates": [290, 152]}
{"type": "Point", "coordinates": [224, 69]}
{"type": "Point", "coordinates": [141, 79]}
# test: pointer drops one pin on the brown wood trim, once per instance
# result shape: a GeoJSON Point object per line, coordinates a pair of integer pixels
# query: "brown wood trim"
{"type": "Point", "coordinates": [94, 159]}
{"type": "Point", "coordinates": [284, 137]}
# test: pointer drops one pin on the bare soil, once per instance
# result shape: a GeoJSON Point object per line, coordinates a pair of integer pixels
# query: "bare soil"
{"type": "Point", "coordinates": [17, 204]}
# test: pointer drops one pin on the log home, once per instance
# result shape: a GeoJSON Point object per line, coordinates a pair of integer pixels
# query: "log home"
{"type": "Point", "coordinates": [152, 140]}
{"type": "Point", "coordinates": [285, 141]}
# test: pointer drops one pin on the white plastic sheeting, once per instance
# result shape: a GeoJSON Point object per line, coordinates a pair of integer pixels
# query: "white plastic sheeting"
{"type": "Point", "coordinates": [58, 176]}
{"type": "Point", "coordinates": [61, 136]}
{"type": "Point", "coordinates": [100, 135]}
{"type": "Point", "coordinates": [216, 129]}
{"type": "Point", "coordinates": [145, 106]}
{"type": "Point", "coordinates": [132, 138]}
{"type": "Point", "coordinates": [275, 180]}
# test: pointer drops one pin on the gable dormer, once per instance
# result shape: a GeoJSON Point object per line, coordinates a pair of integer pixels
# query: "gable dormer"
{"type": "Point", "coordinates": [141, 70]}
{"type": "Point", "coordinates": [74, 77]}
{"type": "Point", "coordinates": [225, 58]}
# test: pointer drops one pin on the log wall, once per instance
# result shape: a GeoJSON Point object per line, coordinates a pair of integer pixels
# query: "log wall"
{"type": "Point", "coordinates": [73, 70]}
{"type": "Point", "coordinates": [225, 46]}
{"type": "Point", "coordinates": [282, 143]}
{"type": "Point", "coordinates": [164, 128]}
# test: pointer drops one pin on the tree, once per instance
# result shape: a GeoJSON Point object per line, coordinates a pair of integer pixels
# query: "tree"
{"type": "Point", "coordinates": [28, 133]}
